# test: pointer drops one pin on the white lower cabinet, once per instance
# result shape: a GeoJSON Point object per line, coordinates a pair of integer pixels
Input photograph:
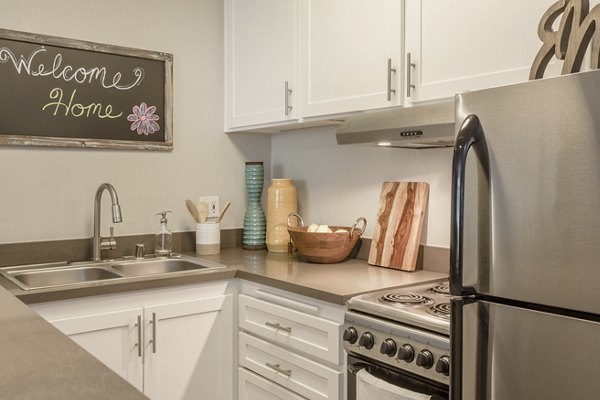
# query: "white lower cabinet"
{"type": "Point", "coordinates": [292, 342]}
{"type": "Point", "coordinates": [189, 350]}
{"type": "Point", "coordinates": [290, 370]}
{"type": "Point", "coordinates": [255, 387]}
{"type": "Point", "coordinates": [112, 337]}
{"type": "Point", "coordinates": [186, 342]}
{"type": "Point", "coordinates": [175, 343]}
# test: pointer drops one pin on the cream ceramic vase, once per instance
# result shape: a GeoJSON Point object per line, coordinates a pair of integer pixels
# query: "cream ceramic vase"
{"type": "Point", "coordinates": [281, 201]}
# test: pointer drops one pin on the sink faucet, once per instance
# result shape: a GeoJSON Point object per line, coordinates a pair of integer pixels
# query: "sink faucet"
{"type": "Point", "coordinates": [98, 243]}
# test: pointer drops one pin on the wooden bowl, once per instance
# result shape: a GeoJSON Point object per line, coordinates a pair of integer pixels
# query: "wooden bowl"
{"type": "Point", "coordinates": [326, 248]}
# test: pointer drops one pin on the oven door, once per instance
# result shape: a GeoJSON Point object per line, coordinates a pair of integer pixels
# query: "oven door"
{"type": "Point", "coordinates": [369, 379]}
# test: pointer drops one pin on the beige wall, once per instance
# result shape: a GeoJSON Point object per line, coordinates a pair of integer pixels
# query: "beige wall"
{"type": "Point", "coordinates": [337, 184]}
{"type": "Point", "coordinates": [48, 194]}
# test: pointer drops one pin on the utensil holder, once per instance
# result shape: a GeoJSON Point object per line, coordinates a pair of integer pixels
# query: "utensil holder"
{"type": "Point", "coordinates": [208, 238]}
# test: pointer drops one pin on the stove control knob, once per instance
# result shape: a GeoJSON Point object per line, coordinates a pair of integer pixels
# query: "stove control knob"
{"type": "Point", "coordinates": [350, 335]}
{"type": "Point", "coordinates": [406, 353]}
{"type": "Point", "coordinates": [425, 359]}
{"type": "Point", "coordinates": [388, 347]}
{"type": "Point", "coordinates": [443, 366]}
{"type": "Point", "coordinates": [366, 340]}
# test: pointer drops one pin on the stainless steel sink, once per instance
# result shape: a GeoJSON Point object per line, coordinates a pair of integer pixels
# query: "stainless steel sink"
{"type": "Point", "coordinates": [83, 274]}
{"type": "Point", "coordinates": [158, 266]}
{"type": "Point", "coordinates": [64, 276]}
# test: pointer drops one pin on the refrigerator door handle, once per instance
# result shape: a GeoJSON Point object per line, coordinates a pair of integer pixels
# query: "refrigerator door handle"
{"type": "Point", "coordinates": [456, 348]}
{"type": "Point", "coordinates": [470, 135]}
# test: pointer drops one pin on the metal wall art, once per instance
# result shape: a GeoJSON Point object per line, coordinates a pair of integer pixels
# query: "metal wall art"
{"type": "Point", "coordinates": [579, 26]}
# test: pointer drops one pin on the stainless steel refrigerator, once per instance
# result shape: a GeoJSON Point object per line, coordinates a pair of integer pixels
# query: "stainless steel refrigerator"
{"type": "Point", "coordinates": [525, 242]}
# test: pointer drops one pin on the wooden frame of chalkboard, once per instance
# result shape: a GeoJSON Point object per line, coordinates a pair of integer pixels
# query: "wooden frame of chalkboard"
{"type": "Point", "coordinates": [72, 93]}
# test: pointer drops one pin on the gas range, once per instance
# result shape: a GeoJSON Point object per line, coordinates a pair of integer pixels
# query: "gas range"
{"type": "Point", "coordinates": [406, 329]}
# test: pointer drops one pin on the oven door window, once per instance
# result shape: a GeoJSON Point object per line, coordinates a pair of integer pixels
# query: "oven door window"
{"type": "Point", "coordinates": [370, 373]}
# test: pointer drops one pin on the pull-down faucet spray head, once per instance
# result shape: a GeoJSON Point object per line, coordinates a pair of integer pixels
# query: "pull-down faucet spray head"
{"type": "Point", "coordinates": [116, 212]}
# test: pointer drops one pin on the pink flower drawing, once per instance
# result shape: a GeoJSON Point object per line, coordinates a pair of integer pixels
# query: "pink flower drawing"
{"type": "Point", "coordinates": [143, 119]}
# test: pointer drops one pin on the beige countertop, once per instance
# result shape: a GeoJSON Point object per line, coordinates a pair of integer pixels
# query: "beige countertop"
{"type": "Point", "coordinates": [334, 283]}
{"type": "Point", "coordinates": [39, 362]}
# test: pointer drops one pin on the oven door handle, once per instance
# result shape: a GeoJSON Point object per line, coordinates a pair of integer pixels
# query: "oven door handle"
{"type": "Point", "coordinates": [354, 368]}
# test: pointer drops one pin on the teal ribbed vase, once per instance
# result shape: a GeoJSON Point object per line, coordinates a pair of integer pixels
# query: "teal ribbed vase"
{"type": "Point", "coordinates": [255, 226]}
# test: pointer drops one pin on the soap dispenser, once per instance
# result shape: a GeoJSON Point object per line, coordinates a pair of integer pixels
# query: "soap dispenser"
{"type": "Point", "coordinates": [163, 243]}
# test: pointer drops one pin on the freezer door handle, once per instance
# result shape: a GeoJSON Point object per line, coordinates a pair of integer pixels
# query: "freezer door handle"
{"type": "Point", "coordinates": [456, 348]}
{"type": "Point", "coordinates": [470, 135]}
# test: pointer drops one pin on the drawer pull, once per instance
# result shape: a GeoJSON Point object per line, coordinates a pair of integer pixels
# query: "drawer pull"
{"type": "Point", "coordinates": [277, 326]}
{"type": "Point", "coordinates": [277, 367]}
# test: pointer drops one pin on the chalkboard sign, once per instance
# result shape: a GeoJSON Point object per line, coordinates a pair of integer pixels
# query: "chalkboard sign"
{"type": "Point", "coordinates": [71, 93]}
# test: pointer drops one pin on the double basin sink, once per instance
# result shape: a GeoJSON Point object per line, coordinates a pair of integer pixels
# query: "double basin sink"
{"type": "Point", "coordinates": [39, 276]}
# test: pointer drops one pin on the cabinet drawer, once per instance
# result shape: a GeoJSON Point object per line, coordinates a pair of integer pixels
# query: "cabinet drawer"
{"type": "Point", "coordinates": [254, 387]}
{"type": "Point", "coordinates": [315, 336]}
{"type": "Point", "coordinates": [292, 371]}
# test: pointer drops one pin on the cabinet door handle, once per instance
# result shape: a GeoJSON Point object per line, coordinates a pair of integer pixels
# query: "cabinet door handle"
{"type": "Point", "coordinates": [153, 340]}
{"type": "Point", "coordinates": [139, 335]}
{"type": "Point", "coordinates": [288, 92]}
{"type": "Point", "coordinates": [390, 71]}
{"type": "Point", "coordinates": [277, 367]}
{"type": "Point", "coordinates": [409, 66]}
{"type": "Point", "coordinates": [277, 325]}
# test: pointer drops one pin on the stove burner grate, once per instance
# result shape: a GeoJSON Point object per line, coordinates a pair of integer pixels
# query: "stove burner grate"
{"type": "Point", "coordinates": [441, 289]}
{"type": "Point", "coordinates": [441, 310]}
{"type": "Point", "coordinates": [408, 299]}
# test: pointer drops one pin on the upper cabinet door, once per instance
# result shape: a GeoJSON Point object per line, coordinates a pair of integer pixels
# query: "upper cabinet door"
{"type": "Point", "coordinates": [458, 45]}
{"type": "Point", "coordinates": [344, 50]}
{"type": "Point", "coordinates": [260, 62]}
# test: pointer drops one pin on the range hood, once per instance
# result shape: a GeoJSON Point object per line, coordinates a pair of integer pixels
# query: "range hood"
{"type": "Point", "coordinates": [419, 127]}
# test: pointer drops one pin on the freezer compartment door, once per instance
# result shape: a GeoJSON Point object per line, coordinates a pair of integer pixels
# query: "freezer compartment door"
{"type": "Point", "coordinates": [532, 202]}
{"type": "Point", "coordinates": [512, 353]}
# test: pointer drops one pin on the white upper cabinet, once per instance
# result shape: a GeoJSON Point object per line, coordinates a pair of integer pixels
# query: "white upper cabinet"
{"type": "Point", "coordinates": [261, 48]}
{"type": "Point", "coordinates": [458, 45]}
{"type": "Point", "coordinates": [345, 46]}
{"type": "Point", "coordinates": [343, 56]}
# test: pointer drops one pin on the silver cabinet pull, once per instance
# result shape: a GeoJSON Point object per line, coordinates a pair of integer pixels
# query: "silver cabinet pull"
{"type": "Point", "coordinates": [288, 92]}
{"type": "Point", "coordinates": [277, 326]}
{"type": "Point", "coordinates": [409, 66]}
{"type": "Point", "coordinates": [153, 340]}
{"type": "Point", "coordinates": [139, 335]}
{"type": "Point", "coordinates": [390, 71]}
{"type": "Point", "coordinates": [277, 367]}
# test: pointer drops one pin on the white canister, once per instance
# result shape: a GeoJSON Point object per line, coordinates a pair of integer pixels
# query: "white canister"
{"type": "Point", "coordinates": [208, 238]}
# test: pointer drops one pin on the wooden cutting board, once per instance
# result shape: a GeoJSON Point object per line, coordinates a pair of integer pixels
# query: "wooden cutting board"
{"type": "Point", "coordinates": [397, 234]}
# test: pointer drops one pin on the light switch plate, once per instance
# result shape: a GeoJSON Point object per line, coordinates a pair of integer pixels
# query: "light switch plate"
{"type": "Point", "coordinates": [213, 205]}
